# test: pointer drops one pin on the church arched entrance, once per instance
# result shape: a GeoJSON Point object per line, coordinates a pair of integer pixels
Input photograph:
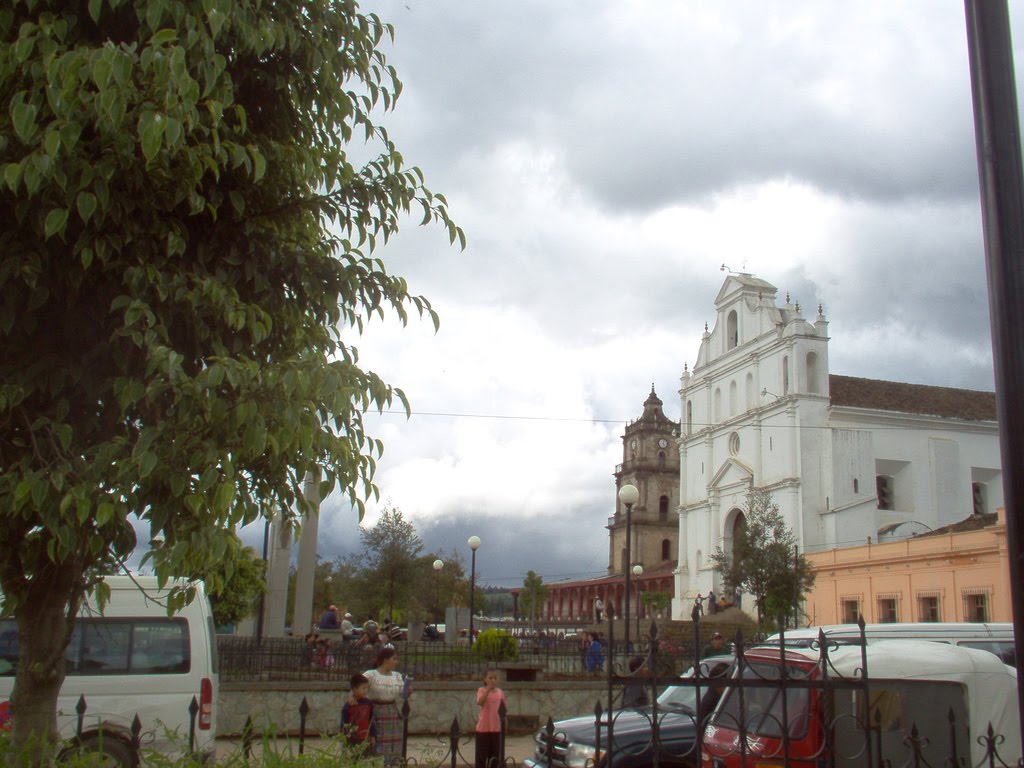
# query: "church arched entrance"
{"type": "Point", "coordinates": [735, 523]}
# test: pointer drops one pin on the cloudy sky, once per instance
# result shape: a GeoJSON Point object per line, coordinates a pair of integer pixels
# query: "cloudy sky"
{"type": "Point", "coordinates": [605, 157]}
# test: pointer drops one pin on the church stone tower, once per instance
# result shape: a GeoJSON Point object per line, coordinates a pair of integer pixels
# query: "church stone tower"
{"type": "Point", "coordinates": [650, 461]}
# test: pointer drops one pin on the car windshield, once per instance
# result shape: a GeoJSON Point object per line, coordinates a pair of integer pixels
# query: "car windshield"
{"type": "Point", "coordinates": [685, 696]}
{"type": "Point", "coordinates": [763, 710]}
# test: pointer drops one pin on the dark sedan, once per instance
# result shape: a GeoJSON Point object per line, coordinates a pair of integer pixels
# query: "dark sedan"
{"type": "Point", "coordinates": [574, 742]}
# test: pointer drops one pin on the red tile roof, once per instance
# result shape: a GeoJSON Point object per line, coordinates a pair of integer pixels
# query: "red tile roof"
{"type": "Point", "coordinates": [923, 399]}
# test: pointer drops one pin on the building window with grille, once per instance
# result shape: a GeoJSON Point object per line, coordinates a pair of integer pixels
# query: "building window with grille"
{"type": "Point", "coordinates": [849, 609]}
{"type": "Point", "coordinates": [888, 609]}
{"type": "Point", "coordinates": [886, 490]}
{"type": "Point", "coordinates": [976, 605]}
{"type": "Point", "coordinates": [666, 549]}
{"type": "Point", "coordinates": [928, 608]}
{"type": "Point", "coordinates": [663, 508]}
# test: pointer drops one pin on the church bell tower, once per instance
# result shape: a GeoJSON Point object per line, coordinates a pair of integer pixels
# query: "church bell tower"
{"type": "Point", "coordinates": [650, 461]}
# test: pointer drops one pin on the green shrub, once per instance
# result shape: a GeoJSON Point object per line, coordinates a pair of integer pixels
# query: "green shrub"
{"type": "Point", "coordinates": [496, 645]}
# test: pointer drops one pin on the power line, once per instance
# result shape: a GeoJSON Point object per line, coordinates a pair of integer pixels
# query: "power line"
{"type": "Point", "coordinates": [695, 424]}
{"type": "Point", "coordinates": [506, 417]}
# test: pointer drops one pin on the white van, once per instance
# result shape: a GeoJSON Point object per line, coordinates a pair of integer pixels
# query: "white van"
{"type": "Point", "coordinates": [132, 660]}
{"type": "Point", "coordinates": [995, 638]}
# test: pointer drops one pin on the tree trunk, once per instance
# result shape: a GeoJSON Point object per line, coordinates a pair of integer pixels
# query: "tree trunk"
{"type": "Point", "coordinates": [44, 631]}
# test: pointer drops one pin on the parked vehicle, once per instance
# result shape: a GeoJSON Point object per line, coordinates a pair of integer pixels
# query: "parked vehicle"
{"type": "Point", "coordinates": [849, 718]}
{"type": "Point", "coordinates": [582, 742]}
{"type": "Point", "coordinates": [995, 638]}
{"type": "Point", "coordinates": [132, 660]}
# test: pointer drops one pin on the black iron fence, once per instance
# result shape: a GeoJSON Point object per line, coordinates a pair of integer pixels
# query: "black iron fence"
{"type": "Point", "coordinates": [814, 707]}
{"type": "Point", "coordinates": [286, 659]}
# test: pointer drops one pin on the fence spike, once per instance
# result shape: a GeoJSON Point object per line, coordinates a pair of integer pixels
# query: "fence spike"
{"type": "Point", "coordinates": [80, 708]}
{"type": "Point", "coordinates": [136, 732]}
{"type": "Point", "coordinates": [193, 711]}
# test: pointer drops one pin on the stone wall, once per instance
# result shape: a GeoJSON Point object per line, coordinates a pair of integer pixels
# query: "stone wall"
{"type": "Point", "coordinates": [275, 706]}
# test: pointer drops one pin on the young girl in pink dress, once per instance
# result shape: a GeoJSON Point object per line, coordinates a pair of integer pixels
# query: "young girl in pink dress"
{"type": "Point", "coordinates": [488, 725]}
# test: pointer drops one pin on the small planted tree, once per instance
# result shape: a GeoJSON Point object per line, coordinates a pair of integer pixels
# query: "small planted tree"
{"type": "Point", "coordinates": [496, 645]}
{"type": "Point", "coordinates": [764, 561]}
{"type": "Point", "coordinates": [534, 593]}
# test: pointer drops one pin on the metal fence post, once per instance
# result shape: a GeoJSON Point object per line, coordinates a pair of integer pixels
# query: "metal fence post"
{"type": "Point", "coordinates": [247, 738]}
{"type": "Point", "coordinates": [136, 741]}
{"type": "Point", "coordinates": [453, 742]}
{"type": "Point", "coordinates": [193, 710]}
{"type": "Point", "coordinates": [405, 728]}
{"type": "Point", "coordinates": [303, 713]}
{"type": "Point", "coordinates": [80, 708]}
{"type": "Point", "coordinates": [502, 716]}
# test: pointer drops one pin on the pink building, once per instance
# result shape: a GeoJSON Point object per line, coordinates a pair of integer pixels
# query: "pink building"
{"type": "Point", "coordinates": [956, 573]}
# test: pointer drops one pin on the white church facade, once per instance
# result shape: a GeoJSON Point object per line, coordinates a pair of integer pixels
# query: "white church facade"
{"type": "Point", "coordinates": [848, 460]}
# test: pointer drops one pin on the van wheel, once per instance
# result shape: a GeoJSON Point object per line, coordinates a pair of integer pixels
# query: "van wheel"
{"type": "Point", "coordinates": [110, 752]}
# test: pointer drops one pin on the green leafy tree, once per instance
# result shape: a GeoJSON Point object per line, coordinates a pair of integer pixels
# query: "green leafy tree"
{"type": "Point", "coordinates": [187, 251]}
{"type": "Point", "coordinates": [656, 601]}
{"type": "Point", "coordinates": [764, 561]}
{"type": "Point", "coordinates": [390, 551]}
{"type": "Point", "coordinates": [534, 593]}
{"type": "Point", "coordinates": [235, 586]}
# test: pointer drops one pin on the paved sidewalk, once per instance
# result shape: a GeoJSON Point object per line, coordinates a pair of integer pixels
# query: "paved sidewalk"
{"type": "Point", "coordinates": [427, 750]}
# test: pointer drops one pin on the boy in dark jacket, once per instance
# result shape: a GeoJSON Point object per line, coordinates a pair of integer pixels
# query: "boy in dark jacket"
{"type": "Point", "coordinates": [357, 722]}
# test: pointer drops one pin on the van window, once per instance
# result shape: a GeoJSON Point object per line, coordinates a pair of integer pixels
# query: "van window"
{"type": "Point", "coordinates": [1002, 648]}
{"type": "Point", "coordinates": [763, 707]}
{"type": "Point", "coordinates": [108, 646]}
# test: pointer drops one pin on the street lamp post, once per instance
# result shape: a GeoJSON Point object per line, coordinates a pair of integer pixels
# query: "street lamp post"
{"type": "Point", "coordinates": [438, 565]}
{"type": "Point", "coordinates": [628, 495]}
{"type": "Point", "coordinates": [638, 571]}
{"type": "Point", "coordinates": [474, 544]}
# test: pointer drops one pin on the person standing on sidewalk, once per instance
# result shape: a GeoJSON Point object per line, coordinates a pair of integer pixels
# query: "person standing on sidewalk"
{"type": "Point", "coordinates": [357, 721]}
{"type": "Point", "coordinates": [488, 726]}
{"type": "Point", "coordinates": [386, 688]}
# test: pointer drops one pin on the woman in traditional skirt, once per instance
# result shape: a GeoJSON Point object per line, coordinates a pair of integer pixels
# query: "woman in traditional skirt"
{"type": "Point", "coordinates": [386, 689]}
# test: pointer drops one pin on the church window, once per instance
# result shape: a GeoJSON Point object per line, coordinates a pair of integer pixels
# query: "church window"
{"type": "Point", "coordinates": [689, 417]}
{"type": "Point", "coordinates": [770, 443]}
{"type": "Point", "coordinates": [812, 372]}
{"type": "Point", "coordinates": [886, 491]}
{"type": "Point", "coordinates": [661, 459]}
{"type": "Point", "coordinates": [751, 394]}
{"type": "Point", "coordinates": [732, 398]}
{"type": "Point", "coordinates": [666, 549]}
{"type": "Point", "coordinates": [732, 331]}
{"type": "Point", "coordinates": [663, 508]}
{"type": "Point", "coordinates": [734, 443]}
{"type": "Point", "coordinates": [718, 404]}
{"type": "Point", "coordinates": [856, 486]}
{"type": "Point", "coordinates": [785, 375]}
{"type": "Point", "coordinates": [979, 498]}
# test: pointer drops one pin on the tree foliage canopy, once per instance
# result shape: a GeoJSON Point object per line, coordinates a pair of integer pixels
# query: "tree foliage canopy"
{"type": "Point", "coordinates": [236, 585]}
{"type": "Point", "coordinates": [390, 553]}
{"type": "Point", "coordinates": [186, 252]}
{"type": "Point", "coordinates": [535, 592]}
{"type": "Point", "coordinates": [764, 561]}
